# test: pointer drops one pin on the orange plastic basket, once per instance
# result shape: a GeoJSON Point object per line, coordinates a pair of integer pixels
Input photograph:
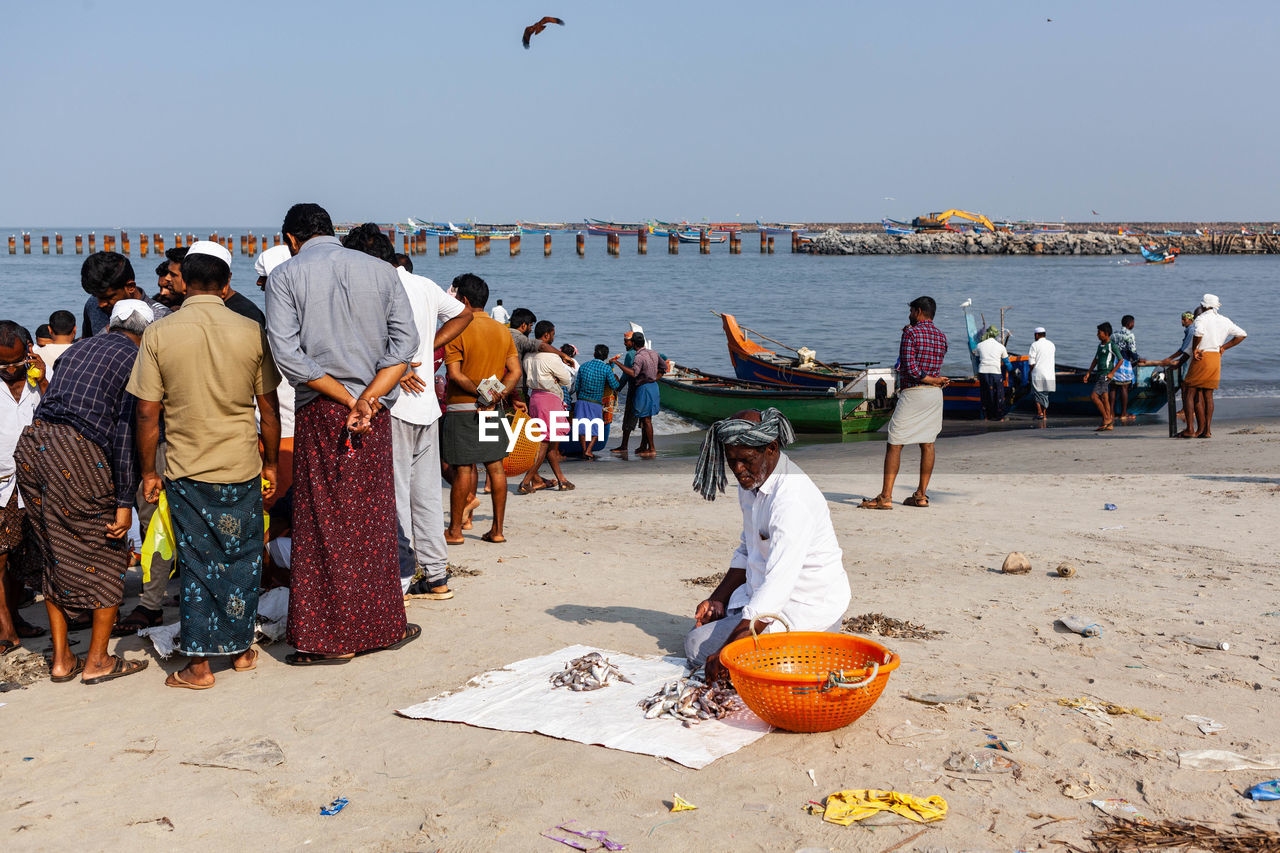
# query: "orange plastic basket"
{"type": "Point", "coordinates": [808, 681]}
{"type": "Point", "coordinates": [521, 457]}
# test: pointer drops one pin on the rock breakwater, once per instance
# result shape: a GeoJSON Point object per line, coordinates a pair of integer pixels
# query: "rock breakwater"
{"type": "Point", "coordinates": [833, 242]}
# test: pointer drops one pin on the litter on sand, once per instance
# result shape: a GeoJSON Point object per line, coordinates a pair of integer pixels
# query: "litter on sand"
{"type": "Point", "coordinates": [846, 807]}
{"type": "Point", "coordinates": [1109, 507]}
{"type": "Point", "coordinates": [334, 807]}
{"type": "Point", "coordinates": [1205, 724]}
{"type": "Point", "coordinates": [680, 804]}
{"type": "Point", "coordinates": [599, 837]}
{"type": "Point", "coordinates": [1265, 791]}
{"type": "Point", "coordinates": [981, 761]}
{"type": "Point", "coordinates": [1085, 704]}
{"type": "Point", "coordinates": [1223, 760]}
{"type": "Point", "coordinates": [1079, 625]}
{"type": "Point", "coordinates": [1121, 810]}
{"type": "Point", "coordinates": [908, 733]}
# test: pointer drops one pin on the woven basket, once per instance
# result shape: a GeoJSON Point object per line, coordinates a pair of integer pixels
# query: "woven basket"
{"type": "Point", "coordinates": [808, 681]}
{"type": "Point", "coordinates": [521, 457]}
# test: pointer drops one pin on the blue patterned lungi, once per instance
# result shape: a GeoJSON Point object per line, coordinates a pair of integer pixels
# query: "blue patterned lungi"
{"type": "Point", "coordinates": [219, 528]}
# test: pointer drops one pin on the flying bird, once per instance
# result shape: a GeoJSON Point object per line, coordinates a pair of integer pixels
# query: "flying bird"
{"type": "Point", "coordinates": [1049, 20]}
{"type": "Point", "coordinates": [1096, 213]}
{"type": "Point", "coordinates": [531, 31]}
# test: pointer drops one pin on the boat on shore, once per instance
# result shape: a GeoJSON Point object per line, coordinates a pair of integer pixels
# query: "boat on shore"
{"type": "Point", "coordinates": [493, 232]}
{"type": "Point", "coordinates": [895, 228]}
{"type": "Point", "coordinates": [708, 398]}
{"type": "Point", "coordinates": [604, 227]}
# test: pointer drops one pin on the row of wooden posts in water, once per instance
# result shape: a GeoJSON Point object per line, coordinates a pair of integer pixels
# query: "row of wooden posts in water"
{"type": "Point", "coordinates": [413, 244]}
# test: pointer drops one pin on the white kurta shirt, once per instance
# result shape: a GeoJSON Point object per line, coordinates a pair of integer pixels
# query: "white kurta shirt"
{"type": "Point", "coordinates": [990, 354]}
{"type": "Point", "coordinates": [789, 551]}
{"type": "Point", "coordinates": [1214, 330]}
{"type": "Point", "coordinates": [15, 416]}
{"type": "Point", "coordinates": [1044, 367]}
{"type": "Point", "coordinates": [431, 307]}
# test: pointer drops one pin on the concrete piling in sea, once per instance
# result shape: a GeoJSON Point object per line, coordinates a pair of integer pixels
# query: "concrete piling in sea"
{"type": "Point", "coordinates": [642, 242]}
{"type": "Point", "coordinates": [764, 241]}
{"type": "Point", "coordinates": [44, 244]}
{"type": "Point", "coordinates": [795, 241]}
{"type": "Point", "coordinates": [612, 244]}
{"type": "Point", "coordinates": [546, 245]}
{"type": "Point", "coordinates": [26, 243]}
{"type": "Point", "coordinates": [124, 242]}
{"type": "Point", "coordinates": [735, 243]}
{"type": "Point", "coordinates": [93, 242]}
{"type": "Point", "coordinates": [57, 242]}
{"type": "Point", "coordinates": [704, 242]}
{"type": "Point", "coordinates": [582, 245]}
{"type": "Point", "coordinates": [143, 245]}
{"type": "Point", "coordinates": [276, 239]}
{"type": "Point", "coordinates": [440, 238]}
{"type": "Point", "coordinates": [514, 245]}
{"type": "Point", "coordinates": [108, 243]}
{"type": "Point", "coordinates": [673, 243]}
{"type": "Point", "coordinates": [79, 244]}
{"type": "Point", "coordinates": [13, 245]}
{"type": "Point", "coordinates": [177, 240]}
{"type": "Point", "coordinates": [158, 241]}
{"type": "Point", "coordinates": [771, 245]}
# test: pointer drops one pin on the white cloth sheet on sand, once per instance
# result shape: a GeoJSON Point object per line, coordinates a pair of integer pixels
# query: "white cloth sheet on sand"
{"type": "Point", "coordinates": [273, 617]}
{"type": "Point", "coordinates": [520, 698]}
{"type": "Point", "coordinates": [1223, 760]}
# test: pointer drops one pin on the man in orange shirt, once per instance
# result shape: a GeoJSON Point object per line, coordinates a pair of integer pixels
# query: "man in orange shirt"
{"type": "Point", "coordinates": [483, 350]}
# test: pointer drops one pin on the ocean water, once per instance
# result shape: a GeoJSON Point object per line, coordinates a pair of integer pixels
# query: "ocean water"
{"type": "Point", "coordinates": [844, 308]}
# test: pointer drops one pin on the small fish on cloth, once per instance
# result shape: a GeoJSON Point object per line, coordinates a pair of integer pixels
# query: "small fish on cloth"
{"type": "Point", "coordinates": [691, 702]}
{"type": "Point", "coordinates": [589, 672]}
{"type": "Point", "coordinates": [846, 807]}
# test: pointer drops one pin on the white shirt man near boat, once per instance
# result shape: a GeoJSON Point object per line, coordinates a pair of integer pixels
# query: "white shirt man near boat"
{"type": "Point", "coordinates": [991, 360]}
{"type": "Point", "coordinates": [788, 563]}
{"type": "Point", "coordinates": [1214, 335]}
{"type": "Point", "coordinates": [1044, 371]}
{"type": "Point", "coordinates": [499, 313]}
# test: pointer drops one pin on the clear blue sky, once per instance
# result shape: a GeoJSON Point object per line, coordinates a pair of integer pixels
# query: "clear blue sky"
{"type": "Point", "coordinates": [148, 112]}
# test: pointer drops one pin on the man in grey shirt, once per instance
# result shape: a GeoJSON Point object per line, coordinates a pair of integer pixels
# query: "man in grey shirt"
{"type": "Point", "coordinates": [341, 331]}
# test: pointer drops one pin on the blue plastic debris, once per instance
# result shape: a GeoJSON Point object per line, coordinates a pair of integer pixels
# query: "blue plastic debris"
{"type": "Point", "coordinates": [1265, 791]}
{"type": "Point", "coordinates": [1109, 506]}
{"type": "Point", "coordinates": [334, 807]}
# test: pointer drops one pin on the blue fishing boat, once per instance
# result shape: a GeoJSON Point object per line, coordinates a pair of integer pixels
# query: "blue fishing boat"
{"type": "Point", "coordinates": [897, 229]}
{"type": "Point", "coordinates": [1153, 254]}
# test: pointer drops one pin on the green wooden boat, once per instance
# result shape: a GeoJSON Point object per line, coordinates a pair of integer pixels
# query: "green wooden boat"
{"type": "Point", "coordinates": [708, 398]}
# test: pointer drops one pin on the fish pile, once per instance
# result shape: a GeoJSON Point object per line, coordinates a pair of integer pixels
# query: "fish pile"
{"type": "Point", "coordinates": [690, 702]}
{"type": "Point", "coordinates": [589, 672]}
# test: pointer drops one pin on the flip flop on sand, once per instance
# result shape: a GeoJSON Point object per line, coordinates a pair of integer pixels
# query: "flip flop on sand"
{"type": "Point", "coordinates": [75, 670]}
{"type": "Point", "coordinates": [876, 503]}
{"type": "Point", "coordinates": [119, 669]}
{"type": "Point", "coordinates": [250, 666]}
{"type": "Point", "coordinates": [176, 680]}
{"type": "Point", "coordinates": [308, 659]}
{"type": "Point", "coordinates": [565, 486]}
{"type": "Point", "coordinates": [497, 540]}
{"type": "Point", "coordinates": [6, 647]}
{"type": "Point", "coordinates": [918, 500]}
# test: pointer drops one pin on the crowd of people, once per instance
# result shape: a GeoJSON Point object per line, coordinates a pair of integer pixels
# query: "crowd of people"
{"type": "Point", "coordinates": [197, 405]}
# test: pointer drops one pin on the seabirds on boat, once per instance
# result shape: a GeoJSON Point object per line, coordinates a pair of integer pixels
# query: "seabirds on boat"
{"type": "Point", "coordinates": [531, 31]}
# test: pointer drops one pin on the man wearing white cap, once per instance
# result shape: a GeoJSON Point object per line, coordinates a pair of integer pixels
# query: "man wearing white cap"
{"type": "Point", "coordinates": [1044, 371]}
{"type": "Point", "coordinates": [78, 474]}
{"type": "Point", "coordinates": [205, 367]}
{"type": "Point", "coordinates": [1213, 335]}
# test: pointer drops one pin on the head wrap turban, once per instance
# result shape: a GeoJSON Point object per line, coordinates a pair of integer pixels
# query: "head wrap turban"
{"type": "Point", "coordinates": [708, 475]}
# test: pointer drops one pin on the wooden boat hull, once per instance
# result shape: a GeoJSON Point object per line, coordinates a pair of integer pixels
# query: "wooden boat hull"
{"type": "Point", "coordinates": [695, 237]}
{"type": "Point", "coordinates": [706, 398]}
{"type": "Point", "coordinates": [602, 228]}
{"type": "Point", "coordinates": [754, 363]}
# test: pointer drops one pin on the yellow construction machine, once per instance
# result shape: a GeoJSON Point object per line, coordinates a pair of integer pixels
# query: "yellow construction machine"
{"type": "Point", "coordinates": [938, 221]}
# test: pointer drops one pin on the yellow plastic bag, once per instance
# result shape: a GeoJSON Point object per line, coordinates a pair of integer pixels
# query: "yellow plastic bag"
{"type": "Point", "coordinates": [159, 539]}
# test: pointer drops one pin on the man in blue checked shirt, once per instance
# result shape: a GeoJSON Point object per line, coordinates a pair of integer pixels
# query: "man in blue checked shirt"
{"type": "Point", "coordinates": [593, 378]}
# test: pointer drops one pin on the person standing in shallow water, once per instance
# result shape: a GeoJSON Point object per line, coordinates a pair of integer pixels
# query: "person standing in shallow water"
{"type": "Point", "coordinates": [341, 330]}
{"type": "Point", "coordinates": [205, 367]}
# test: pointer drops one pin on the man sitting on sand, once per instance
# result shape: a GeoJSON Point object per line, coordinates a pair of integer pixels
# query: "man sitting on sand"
{"type": "Point", "coordinates": [788, 563]}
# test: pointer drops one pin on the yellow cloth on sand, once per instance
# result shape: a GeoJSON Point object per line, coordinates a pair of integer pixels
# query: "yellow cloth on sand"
{"type": "Point", "coordinates": [845, 807]}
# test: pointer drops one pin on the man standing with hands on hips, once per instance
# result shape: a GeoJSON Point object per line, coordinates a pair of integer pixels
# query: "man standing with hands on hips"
{"type": "Point", "coordinates": [917, 417]}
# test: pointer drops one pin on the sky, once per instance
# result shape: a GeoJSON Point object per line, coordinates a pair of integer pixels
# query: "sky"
{"type": "Point", "coordinates": [171, 113]}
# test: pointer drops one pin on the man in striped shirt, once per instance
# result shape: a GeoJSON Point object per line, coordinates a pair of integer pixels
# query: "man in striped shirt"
{"type": "Point", "coordinates": [917, 417]}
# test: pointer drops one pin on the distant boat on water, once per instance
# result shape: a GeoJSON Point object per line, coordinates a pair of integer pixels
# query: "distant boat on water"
{"type": "Point", "coordinates": [780, 227]}
{"type": "Point", "coordinates": [604, 227]}
{"type": "Point", "coordinates": [1153, 254]}
{"type": "Point", "coordinates": [542, 227]}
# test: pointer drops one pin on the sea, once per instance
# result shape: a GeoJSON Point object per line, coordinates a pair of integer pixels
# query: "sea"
{"type": "Point", "coordinates": [845, 308]}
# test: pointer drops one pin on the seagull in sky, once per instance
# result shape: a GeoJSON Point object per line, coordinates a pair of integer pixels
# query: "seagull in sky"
{"type": "Point", "coordinates": [533, 29]}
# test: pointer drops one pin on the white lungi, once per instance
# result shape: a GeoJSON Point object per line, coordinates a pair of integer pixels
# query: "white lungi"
{"type": "Point", "coordinates": [917, 417]}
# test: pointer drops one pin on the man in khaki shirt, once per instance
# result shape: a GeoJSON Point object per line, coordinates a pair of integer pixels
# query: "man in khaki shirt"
{"type": "Point", "coordinates": [205, 369]}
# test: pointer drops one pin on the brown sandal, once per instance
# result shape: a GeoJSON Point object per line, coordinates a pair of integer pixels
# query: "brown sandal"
{"type": "Point", "coordinates": [876, 503]}
{"type": "Point", "coordinates": [918, 500]}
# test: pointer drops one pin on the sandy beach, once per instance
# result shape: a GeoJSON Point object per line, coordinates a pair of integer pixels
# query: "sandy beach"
{"type": "Point", "coordinates": [127, 765]}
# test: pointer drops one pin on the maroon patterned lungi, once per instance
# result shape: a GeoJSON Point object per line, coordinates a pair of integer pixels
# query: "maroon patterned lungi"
{"type": "Point", "coordinates": [345, 595]}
